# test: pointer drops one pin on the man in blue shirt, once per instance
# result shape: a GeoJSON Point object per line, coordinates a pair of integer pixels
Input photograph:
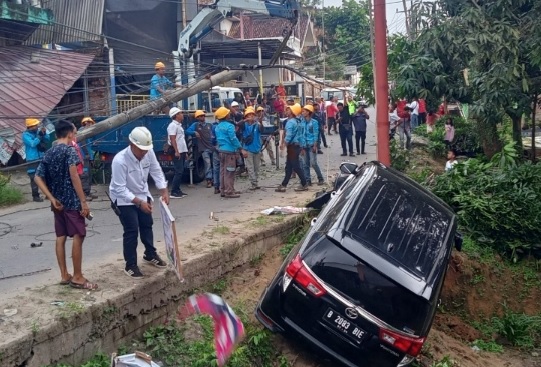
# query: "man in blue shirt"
{"type": "Point", "coordinates": [159, 84]}
{"type": "Point", "coordinates": [251, 142]}
{"type": "Point", "coordinates": [294, 140]}
{"type": "Point", "coordinates": [202, 131]}
{"type": "Point", "coordinates": [312, 135]}
{"type": "Point", "coordinates": [229, 147]}
{"type": "Point", "coordinates": [35, 142]}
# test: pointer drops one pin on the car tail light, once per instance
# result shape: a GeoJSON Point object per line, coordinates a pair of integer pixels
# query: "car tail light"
{"type": "Point", "coordinates": [296, 270]}
{"type": "Point", "coordinates": [410, 345]}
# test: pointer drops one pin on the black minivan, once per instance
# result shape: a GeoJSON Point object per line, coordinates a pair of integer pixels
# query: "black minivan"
{"type": "Point", "coordinates": [364, 283]}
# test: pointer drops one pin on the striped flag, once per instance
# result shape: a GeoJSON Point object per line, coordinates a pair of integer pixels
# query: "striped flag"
{"type": "Point", "coordinates": [228, 329]}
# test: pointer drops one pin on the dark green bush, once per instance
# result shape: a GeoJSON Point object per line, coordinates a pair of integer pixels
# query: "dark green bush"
{"type": "Point", "coordinates": [466, 140]}
{"type": "Point", "coordinates": [498, 202]}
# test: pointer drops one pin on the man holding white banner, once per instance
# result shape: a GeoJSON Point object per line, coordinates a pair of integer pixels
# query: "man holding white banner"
{"type": "Point", "coordinates": [129, 192]}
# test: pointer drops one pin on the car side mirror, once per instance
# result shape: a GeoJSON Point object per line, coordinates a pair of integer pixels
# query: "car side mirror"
{"type": "Point", "coordinates": [348, 168]}
{"type": "Point", "coordinates": [313, 222]}
{"type": "Point", "coordinates": [459, 240]}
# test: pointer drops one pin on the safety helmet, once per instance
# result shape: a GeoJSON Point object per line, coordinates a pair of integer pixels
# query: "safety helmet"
{"type": "Point", "coordinates": [31, 122]}
{"type": "Point", "coordinates": [260, 109]}
{"type": "Point", "coordinates": [199, 113]}
{"type": "Point", "coordinates": [174, 111]}
{"type": "Point", "coordinates": [234, 104]}
{"type": "Point", "coordinates": [221, 113]}
{"type": "Point", "coordinates": [141, 138]}
{"type": "Point", "coordinates": [86, 120]}
{"type": "Point", "coordinates": [159, 65]}
{"type": "Point", "coordinates": [295, 109]}
{"type": "Point", "coordinates": [309, 108]}
{"type": "Point", "coordinates": [249, 110]}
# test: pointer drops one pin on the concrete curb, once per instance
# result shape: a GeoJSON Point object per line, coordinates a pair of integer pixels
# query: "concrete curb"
{"type": "Point", "coordinates": [106, 325]}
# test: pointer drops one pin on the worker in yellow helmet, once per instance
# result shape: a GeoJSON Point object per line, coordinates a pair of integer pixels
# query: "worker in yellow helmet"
{"type": "Point", "coordinates": [35, 140]}
{"type": "Point", "coordinates": [88, 159]}
{"type": "Point", "coordinates": [159, 85]}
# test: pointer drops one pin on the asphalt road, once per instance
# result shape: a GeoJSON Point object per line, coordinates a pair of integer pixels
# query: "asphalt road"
{"type": "Point", "coordinates": [23, 266]}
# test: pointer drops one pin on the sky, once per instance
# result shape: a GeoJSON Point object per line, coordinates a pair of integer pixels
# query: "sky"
{"type": "Point", "coordinates": [395, 21]}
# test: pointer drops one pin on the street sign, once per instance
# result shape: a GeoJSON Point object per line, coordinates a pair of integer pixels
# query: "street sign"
{"type": "Point", "coordinates": [350, 70]}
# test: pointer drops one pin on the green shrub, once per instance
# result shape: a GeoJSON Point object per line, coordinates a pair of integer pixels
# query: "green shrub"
{"type": "Point", "coordinates": [399, 157]}
{"type": "Point", "coordinates": [466, 140]}
{"type": "Point", "coordinates": [498, 202]}
{"type": "Point", "coordinates": [519, 329]}
{"type": "Point", "coordinates": [9, 195]}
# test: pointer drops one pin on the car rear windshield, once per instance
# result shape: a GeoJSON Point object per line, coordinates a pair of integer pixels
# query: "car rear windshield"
{"type": "Point", "coordinates": [368, 288]}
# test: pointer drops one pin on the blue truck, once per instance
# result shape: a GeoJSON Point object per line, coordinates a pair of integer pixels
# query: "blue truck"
{"type": "Point", "coordinates": [107, 144]}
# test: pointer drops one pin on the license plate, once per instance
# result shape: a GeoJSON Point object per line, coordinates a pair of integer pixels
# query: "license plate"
{"type": "Point", "coordinates": [344, 325]}
{"type": "Point", "coordinates": [166, 163]}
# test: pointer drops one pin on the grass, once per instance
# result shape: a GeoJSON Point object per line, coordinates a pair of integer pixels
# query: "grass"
{"type": "Point", "coordinates": [488, 346]}
{"type": "Point", "coordinates": [9, 195]}
{"type": "Point", "coordinates": [293, 239]}
{"type": "Point", "coordinates": [220, 229]}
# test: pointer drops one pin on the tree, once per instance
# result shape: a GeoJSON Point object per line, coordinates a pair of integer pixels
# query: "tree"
{"type": "Point", "coordinates": [346, 36]}
{"type": "Point", "coordinates": [482, 52]}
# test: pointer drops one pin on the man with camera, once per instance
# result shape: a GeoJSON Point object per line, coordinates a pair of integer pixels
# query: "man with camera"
{"type": "Point", "coordinates": [35, 144]}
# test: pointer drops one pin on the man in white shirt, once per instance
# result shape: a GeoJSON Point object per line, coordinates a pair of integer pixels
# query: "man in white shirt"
{"type": "Point", "coordinates": [177, 140]}
{"type": "Point", "coordinates": [414, 118]}
{"type": "Point", "coordinates": [129, 192]}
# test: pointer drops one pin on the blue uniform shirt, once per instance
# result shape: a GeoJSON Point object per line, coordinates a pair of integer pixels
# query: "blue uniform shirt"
{"type": "Point", "coordinates": [31, 139]}
{"type": "Point", "coordinates": [255, 145]}
{"type": "Point", "coordinates": [295, 132]}
{"type": "Point", "coordinates": [226, 137]}
{"type": "Point", "coordinates": [159, 81]}
{"type": "Point", "coordinates": [312, 132]}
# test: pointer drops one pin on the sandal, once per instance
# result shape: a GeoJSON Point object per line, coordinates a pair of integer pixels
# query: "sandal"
{"type": "Point", "coordinates": [67, 281]}
{"type": "Point", "coordinates": [85, 285]}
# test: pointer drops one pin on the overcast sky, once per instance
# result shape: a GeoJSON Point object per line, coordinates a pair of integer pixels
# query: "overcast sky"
{"type": "Point", "coordinates": [395, 21]}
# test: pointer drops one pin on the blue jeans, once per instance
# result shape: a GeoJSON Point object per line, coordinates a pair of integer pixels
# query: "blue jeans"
{"type": "Point", "coordinates": [310, 160]}
{"type": "Point", "coordinates": [178, 164]}
{"type": "Point", "coordinates": [216, 169]}
{"type": "Point", "coordinates": [414, 121]}
{"type": "Point", "coordinates": [207, 157]}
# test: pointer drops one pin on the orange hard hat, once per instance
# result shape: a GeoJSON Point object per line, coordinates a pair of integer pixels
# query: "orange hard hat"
{"type": "Point", "coordinates": [221, 113]}
{"type": "Point", "coordinates": [159, 65]}
{"type": "Point", "coordinates": [248, 111]}
{"type": "Point", "coordinates": [31, 122]}
{"type": "Point", "coordinates": [86, 120]}
{"type": "Point", "coordinates": [199, 113]}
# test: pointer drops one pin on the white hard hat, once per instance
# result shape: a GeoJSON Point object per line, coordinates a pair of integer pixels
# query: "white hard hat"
{"type": "Point", "coordinates": [141, 138]}
{"type": "Point", "coordinates": [174, 111]}
{"type": "Point", "coordinates": [234, 104]}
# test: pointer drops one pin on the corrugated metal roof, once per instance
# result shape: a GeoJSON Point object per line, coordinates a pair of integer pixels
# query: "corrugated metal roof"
{"type": "Point", "coordinates": [32, 83]}
{"type": "Point", "coordinates": [74, 21]}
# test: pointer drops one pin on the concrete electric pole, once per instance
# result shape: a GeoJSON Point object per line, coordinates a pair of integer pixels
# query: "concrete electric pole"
{"type": "Point", "coordinates": [382, 85]}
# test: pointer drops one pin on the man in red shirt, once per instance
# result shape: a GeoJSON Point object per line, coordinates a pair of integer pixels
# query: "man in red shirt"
{"type": "Point", "coordinates": [331, 110]}
{"type": "Point", "coordinates": [279, 106]}
{"type": "Point", "coordinates": [422, 111]}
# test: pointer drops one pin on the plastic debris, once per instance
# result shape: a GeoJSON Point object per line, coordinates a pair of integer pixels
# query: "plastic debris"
{"type": "Point", "coordinates": [137, 359]}
{"type": "Point", "coordinates": [285, 210]}
{"type": "Point", "coordinates": [8, 312]}
{"type": "Point", "coordinates": [36, 244]}
{"type": "Point", "coordinates": [58, 303]}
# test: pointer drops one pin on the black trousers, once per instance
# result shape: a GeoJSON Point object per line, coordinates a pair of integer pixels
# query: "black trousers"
{"type": "Point", "coordinates": [360, 135]}
{"type": "Point", "coordinates": [178, 164]}
{"type": "Point", "coordinates": [293, 164]}
{"type": "Point", "coordinates": [346, 136]}
{"type": "Point", "coordinates": [321, 137]}
{"type": "Point", "coordinates": [33, 185]}
{"type": "Point", "coordinates": [135, 222]}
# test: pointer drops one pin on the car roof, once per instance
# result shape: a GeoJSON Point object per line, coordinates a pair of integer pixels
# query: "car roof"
{"type": "Point", "coordinates": [403, 223]}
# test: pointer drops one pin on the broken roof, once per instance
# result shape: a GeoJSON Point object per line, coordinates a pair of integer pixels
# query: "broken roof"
{"type": "Point", "coordinates": [32, 83]}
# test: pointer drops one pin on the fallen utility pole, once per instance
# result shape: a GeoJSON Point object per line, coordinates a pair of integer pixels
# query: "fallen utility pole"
{"type": "Point", "coordinates": [157, 104]}
{"type": "Point", "coordinates": [382, 85]}
{"type": "Point", "coordinates": [146, 109]}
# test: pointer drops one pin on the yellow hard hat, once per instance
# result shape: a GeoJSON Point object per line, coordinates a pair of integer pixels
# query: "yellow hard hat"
{"type": "Point", "coordinates": [309, 108]}
{"type": "Point", "coordinates": [31, 122]}
{"type": "Point", "coordinates": [260, 109]}
{"type": "Point", "coordinates": [199, 113]}
{"type": "Point", "coordinates": [159, 65]}
{"type": "Point", "coordinates": [248, 111]}
{"type": "Point", "coordinates": [295, 109]}
{"type": "Point", "coordinates": [221, 113]}
{"type": "Point", "coordinates": [87, 119]}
